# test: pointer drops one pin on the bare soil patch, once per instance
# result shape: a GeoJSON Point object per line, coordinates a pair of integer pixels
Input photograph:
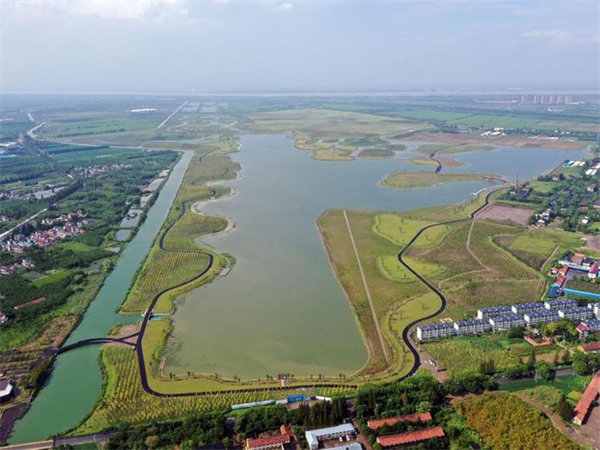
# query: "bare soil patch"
{"type": "Point", "coordinates": [500, 213]}
{"type": "Point", "coordinates": [592, 242]}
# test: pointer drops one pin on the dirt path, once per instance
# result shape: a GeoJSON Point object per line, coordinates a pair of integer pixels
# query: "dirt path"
{"type": "Point", "coordinates": [471, 252]}
{"type": "Point", "coordinates": [364, 280]}
{"type": "Point", "coordinates": [550, 257]}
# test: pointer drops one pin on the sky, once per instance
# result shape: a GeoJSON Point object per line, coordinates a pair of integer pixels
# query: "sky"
{"type": "Point", "coordinates": [273, 46]}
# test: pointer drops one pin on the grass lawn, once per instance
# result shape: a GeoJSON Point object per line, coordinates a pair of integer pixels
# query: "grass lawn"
{"type": "Point", "coordinates": [543, 187]}
{"type": "Point", "coordinates": [565, 384]}
{"type": "Point", "coordinates": [51, 278]}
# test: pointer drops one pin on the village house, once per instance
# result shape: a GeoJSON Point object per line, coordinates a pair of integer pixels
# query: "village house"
{"type": "Point", "coordinates": [411, 437]}
{"type": "Point", "coordinates": [270, 443]}
{"type": "Point", "coordinates": [593, 347]}
{"type": "Point", "coordinates": [375, 424]}
{"type": "Point", "coordinates": [585, 403]}
{"type": "Point", "coordinates": [3, 317]}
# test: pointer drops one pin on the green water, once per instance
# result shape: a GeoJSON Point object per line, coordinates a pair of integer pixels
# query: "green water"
{"type": "Point", "coordinates": [76, 380]}
{"type": "Point", "coordinates": [280, 309]}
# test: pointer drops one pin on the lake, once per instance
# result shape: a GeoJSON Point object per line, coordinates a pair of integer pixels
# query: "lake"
{"type": "Point", "coordinates": [280, 309]}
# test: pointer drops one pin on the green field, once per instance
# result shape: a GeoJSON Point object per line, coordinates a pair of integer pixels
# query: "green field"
{"type": "Point", "coordinates": [466, 353]}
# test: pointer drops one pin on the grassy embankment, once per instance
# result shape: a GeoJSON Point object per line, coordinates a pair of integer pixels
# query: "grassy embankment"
{"type": "Point", "coordinates": [124, 401]}
{"type": "Point", "coordinates": [398, 297]}
{"type": "Point", "coordinates": [334, 135]}
{"type": "Point", "coordinates": [402, 180]}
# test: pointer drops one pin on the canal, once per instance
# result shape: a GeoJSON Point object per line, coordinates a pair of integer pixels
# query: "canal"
{"type": "Point", "coordinates": [74, 386]}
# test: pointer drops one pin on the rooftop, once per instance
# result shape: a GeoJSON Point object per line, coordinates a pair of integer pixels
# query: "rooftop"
{"type": "Point", "coordinates": [586, 400]}
{"type": "Point", "coordinates": [273, 440]}
{"type": "Point", "coordinates": [592, 347]}
{"type": "Point", "coordinates": [391, 421]}
{"type": "Point", "coordinates": [411, 437]}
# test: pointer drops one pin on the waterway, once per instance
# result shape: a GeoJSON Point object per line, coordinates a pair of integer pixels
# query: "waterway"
{"type": "Point", "coordinates": [75, 383]}
{"type": "Point", "coordinates": [280, 309]}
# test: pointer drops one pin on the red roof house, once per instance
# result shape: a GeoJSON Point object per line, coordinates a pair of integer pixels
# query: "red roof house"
{"type": "Point", "coordinates": [412, 437]}
{"type": "Point", "coordinates": [391, 421]}
{"type": "Point", "coordinates": [587, 399]}
{"type": "Point", "coordinates": [592, 347]}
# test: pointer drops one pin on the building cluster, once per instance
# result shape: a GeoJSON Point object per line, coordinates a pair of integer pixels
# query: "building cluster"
{"type": "Point", "coordinates": [502, 318]}
{"type": "Point", "coordinates": [19, 243]}
{"type": "Point", "coordinates": [408, 438]}
{"type": "Point", "coordinates": [92, 171]}
{"type": "Point", "coordinates": [27, 263]}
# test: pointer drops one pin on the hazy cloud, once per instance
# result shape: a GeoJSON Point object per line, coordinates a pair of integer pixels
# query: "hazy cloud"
{"type": "Point", "coordinates": [563, 36]}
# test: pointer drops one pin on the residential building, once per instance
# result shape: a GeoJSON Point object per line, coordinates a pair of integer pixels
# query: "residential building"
{"type": "Point", "coordinates": [313, 437]}
{"type": "Point", "coordinates": [472, 326]}
{"type": "Point", "coordinates": [587, 400]}
{"type": "Point", "coordinates": [593, 273]}
{"type": "Point", "coordinates": [435, 331]}
{"type": "Point", "coordinates": [3, 317]}
{"type": "Point", "coordinates": [563, 303]}
{"type": "Point", "coordinates": [375, 424]}
{"type": "Point", "coordinates": [595, 307]}
{"type": "Point", "coordinates": [583, 330]}
{"type": "Point", "coordinates": [271, 442]}
{"type": "Point", "coordinates": [411, 438]}
{"type": "Point", "coordinates": [506, 321]}
{"type": "Point", "coordinates": [524, 308]}
{"type": "Point", "coordinates": [543, 316]}
{"type": "Point", "coordinates": [593, 347]}
{"type": "Point", "coordinates": [593, 325]}
{"type": "Point", "coordinates": [492, 311]}
{"type": "Point", "coordinates": [576, 313]}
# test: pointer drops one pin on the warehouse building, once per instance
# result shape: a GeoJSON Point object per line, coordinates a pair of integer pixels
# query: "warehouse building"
{"type": "Point", "coordinates": [313, 437]}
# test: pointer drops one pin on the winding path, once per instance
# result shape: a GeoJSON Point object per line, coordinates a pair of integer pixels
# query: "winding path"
{"type": "Point", "coordinates": [441, 296]}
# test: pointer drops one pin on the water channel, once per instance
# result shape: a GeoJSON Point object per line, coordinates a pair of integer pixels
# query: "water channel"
{"type": "Point", "coordinates": [75, 383]}
{"type": "Point", "coordinates": [280, 308]}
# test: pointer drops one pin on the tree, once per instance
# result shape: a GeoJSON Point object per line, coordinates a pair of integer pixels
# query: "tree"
{"type": "Point", "coordinates": [543, 370]}
{"type": "Point", "coordinates": [566, 357]}
{"type": "Point", "coordinates": [518, 370]}
{"type": "Point", "coordinates": [564, 409]}
{"type": "Point", "coordinates": [152, 441]}
{"type": "Point", "coordinates": [531, 360]}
